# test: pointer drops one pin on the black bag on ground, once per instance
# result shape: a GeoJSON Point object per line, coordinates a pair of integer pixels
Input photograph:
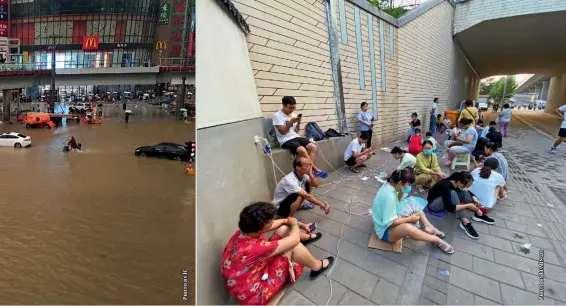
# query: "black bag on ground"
{"type": "Point", "coordinates": [333, 133]}
{"type": "Point", "coordinates": [314, 131]}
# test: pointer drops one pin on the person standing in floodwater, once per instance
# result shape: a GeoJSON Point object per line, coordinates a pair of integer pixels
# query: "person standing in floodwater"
{"type": "Point", "coordinates": [124, 105]}
{"type": "Point", "coordinates": [127, 118]}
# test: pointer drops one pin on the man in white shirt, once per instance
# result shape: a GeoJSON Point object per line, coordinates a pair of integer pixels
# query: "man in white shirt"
{"type": "Point", "coordinates": [433, 111]}
{"type": "Point", "coordinates": [357, 154]}
{"type": "Point", "coordinates": [562, 132]}
{"type": "Point", "coordinates": [287, 126]}
{"type": "Point", "coordinates": [295, 188]}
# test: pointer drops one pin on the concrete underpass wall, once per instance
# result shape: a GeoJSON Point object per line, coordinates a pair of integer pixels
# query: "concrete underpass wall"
{"type": "Point", "coordinates": [556, 94]}
{"type": "Point", "coordinates": [472, 12]}
{"type": "Point", "coordinates": [230, 170]}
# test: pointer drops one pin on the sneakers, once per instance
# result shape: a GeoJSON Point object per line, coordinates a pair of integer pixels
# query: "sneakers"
{"type": "Point", "coordinates": [483, 218]}
{"type": "Point", "coordinates": [552, 150]}
{"type": "Point", "coordinates": [469, 230]}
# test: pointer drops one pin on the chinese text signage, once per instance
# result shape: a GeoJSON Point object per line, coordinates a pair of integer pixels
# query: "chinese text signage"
{"type": "Point", "coordinates": [4, 10]}
{"type": "Point", "coordinates": [164, 12]}
{"type": "Point", "coordinates": [179, 15]}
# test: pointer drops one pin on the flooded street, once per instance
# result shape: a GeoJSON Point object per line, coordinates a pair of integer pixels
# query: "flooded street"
{"type": "Point", "coordinates": [98, 227]}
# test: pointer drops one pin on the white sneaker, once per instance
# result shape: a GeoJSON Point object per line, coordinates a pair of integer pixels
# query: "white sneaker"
{"type": "Point", "coordinates": [552, 150]}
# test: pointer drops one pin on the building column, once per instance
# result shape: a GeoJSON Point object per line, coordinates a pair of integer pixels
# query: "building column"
{"type": "Point", "coordinates": [545, 85]}
{"type": "Point", "coordinates": [6, 105]}
{"type": "Point", "coordinates": [538, 90]}
{"type": "Point", "coordinates": [556, 94]}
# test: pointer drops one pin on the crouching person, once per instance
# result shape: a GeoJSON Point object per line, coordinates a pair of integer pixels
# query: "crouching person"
{"type": "Point", "coordinates": [357, 154]}
{"type": "Point", "coordinates": [254, 268]}
{"type": "Point", "coordinates": [294, 190]}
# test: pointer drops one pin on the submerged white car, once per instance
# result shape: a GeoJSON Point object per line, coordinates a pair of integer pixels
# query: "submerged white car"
{"type": "Point", "coordinates": [15, 140]}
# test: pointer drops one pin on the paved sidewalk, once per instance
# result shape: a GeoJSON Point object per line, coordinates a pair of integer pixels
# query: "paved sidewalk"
{"type": "Point", "coordinates": [495, 269]}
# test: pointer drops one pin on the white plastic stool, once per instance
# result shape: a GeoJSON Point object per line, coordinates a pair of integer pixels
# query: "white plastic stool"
{"type": "Point", "coordinates": [461, 160]}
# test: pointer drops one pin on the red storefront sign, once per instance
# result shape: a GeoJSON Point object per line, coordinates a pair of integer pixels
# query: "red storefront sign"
{"type": "Point", "coordinates": [4, 29]}
{"type": "Point", "coordinates": [90, 42]}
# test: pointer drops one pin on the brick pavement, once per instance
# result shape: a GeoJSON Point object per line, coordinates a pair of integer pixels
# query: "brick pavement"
{"type": "Point", "coordinates": [495, 269]}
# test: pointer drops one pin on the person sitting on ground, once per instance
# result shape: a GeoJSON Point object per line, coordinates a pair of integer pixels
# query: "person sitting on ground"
{"type": "Point", "coordinates": [287, 126]}
{"type": "Point", "coordinates": [463, 144]}
{"type": "Point", "coordinates": [488, 184]}
{"type": "Point", "coordinates": [491, 152]}
{"type": "Point", "coordinates": [432, 140]}
{"type": "Point", "coordinates": [427, 170]}
{"type": "Point", "coordinates": [479, 151]}
{"type": "Point", "coordinates": [495, 137]}
{"type": "Point", "coordinates": [470, 113]}
{"type": "Point", "coordinates": [485, 130]}
{"type": "Point", "coordinates": [293, 192]}
{"type": "Point", "coordinates": [391, 227]}
{"type": "Point", "coordinates": [408, 161]}
{"type": "Point", "coordinates": [415, 143]}
{"type": "Point", "coordinates": [254, 268]}
{"type": "Point", "coordinates": [439, 123]}
{"type": "Point", "coordinates": [415, 123]}
{"type": "Point", "coordinates": [479, 126]}
{"type": "Point", "coordinates": [444, 196]}
{"type": "Point", "coordinates": [357, 154]}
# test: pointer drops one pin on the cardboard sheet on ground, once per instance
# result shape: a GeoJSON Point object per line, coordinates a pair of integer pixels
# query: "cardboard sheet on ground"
{"type": "Point", "coordinates": [376, 243]}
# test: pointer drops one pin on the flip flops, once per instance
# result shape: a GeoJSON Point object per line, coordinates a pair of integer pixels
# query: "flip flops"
{"type": "Point", "coordinates": [311, 239]}
{"type": "Point", "coordinates": [354, 170]}
{"type": "Point", "coordinates": [320, 174]}
{"type": "Point", "coordinates": [306, 206]}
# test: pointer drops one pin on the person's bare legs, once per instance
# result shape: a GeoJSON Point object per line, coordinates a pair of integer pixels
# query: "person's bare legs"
{"type": "Point", "coordinates": [558, 141]}
{"type": "Point", "coordinates": [295, 206]}
{"type": "Point", "coordinates": [283, 231]}
{"type": "Point", "coordinates": [312, 150]}
{"type": "Point", "coordinates": [303, 152]}
{"type": "Point", "coordinates": [396, 233]}
{"type": "Point", "coordinates": [360, 160]}
{"type": "Point", "coordinates": [301, 255]}
{"type": "Point", "coordinates": [428, 227]}
{"type": "Point", "coordinates": [500, 193]}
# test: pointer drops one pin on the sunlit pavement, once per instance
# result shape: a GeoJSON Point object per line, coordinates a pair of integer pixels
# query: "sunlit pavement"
{"type": "Point", "coordinates": [501, 267]}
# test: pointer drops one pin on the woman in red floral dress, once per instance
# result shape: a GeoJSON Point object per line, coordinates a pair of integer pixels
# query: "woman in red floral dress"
{"type": "Point", "coordinates": [255, 268]}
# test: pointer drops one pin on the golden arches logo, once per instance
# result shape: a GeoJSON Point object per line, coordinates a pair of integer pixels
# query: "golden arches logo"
{"type": "Point", "coordinates": [161, 45]}
{"type": "Point", "coordinates": [91, 43]}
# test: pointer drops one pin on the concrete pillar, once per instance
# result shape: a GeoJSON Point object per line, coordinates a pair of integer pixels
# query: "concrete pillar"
{"type": "Point", "coordinates": [545, 85]}
{"type": "Point", "coordinates": [538, 90]}
{"type": "Point", "coordinates": [6, 93]}
{"type": "Point", "coordinates": [556, 94]}
{"type": "Point", "coordinates": [532, 89]}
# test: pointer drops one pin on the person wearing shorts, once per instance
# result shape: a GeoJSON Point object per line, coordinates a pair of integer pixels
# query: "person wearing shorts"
{"type": "Point", "coordinates": [561, 111]}
{"type": "Point", "coordinates": [293, 192]}
{"type": "Point", "coordinates": [357, 154]}
{"type": "Point", "coordinates": [287, 127]}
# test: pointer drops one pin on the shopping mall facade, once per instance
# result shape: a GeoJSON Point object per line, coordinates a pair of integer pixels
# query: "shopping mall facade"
{"type": "Point", "coordinates": [99, 33]}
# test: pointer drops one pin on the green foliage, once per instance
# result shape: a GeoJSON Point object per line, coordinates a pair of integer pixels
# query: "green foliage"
{"type": "Point", "coordinates": [486, 86]}
{"type": "Point", "coordinates": [497, 90]}
{"type": "Point", "coordinates": [386, 6]}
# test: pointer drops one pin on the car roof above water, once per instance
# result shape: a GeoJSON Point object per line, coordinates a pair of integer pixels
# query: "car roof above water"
{"type": "Point", "coordinates": [15, 134]}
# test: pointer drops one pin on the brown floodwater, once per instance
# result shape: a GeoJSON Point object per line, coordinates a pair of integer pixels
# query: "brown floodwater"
{"type": "Point", "coordinates": [98, 227]}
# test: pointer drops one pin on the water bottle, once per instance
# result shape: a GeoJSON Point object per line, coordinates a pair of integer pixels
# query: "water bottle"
{"type": "Point", "coordinates": [267, 149]}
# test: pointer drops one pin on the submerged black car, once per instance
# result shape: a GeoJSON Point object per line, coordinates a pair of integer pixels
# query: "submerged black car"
{"type": "Point", "coordinates": [164, 150]}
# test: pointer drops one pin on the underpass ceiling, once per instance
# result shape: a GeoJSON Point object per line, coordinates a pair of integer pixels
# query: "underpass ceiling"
{"type": "Point", "coordinates": [522, 44]}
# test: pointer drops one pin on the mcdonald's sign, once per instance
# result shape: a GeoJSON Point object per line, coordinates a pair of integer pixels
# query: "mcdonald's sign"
{"type": "Point", "coordinates": [161, 45]}
{"type": "Point", "coordinates": [90, 42]}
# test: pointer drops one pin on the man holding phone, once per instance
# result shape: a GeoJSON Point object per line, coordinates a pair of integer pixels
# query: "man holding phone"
{"type": "Point", "coordinates": [287, 127]}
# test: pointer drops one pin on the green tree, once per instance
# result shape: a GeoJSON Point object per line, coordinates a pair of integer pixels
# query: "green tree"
{"type": "Point", "coordinates": [387, 7]}
{"type": "Point", "coordinates": [485, 86]}
{"type": "Point", "coordinates": [497, 90]}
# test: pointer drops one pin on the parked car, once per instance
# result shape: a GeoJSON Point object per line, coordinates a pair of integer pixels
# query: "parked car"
{"type": "Point", "coordinates": [15, 140]}
{"type": "Point", "coordinates": [483, 106]}
{"type": "Point", "coordinates": [164, 150]}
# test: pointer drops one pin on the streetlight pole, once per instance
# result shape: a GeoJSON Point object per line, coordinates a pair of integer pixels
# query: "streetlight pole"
{"type": "Point", "coordinates": [53, 63]}
{"type": "Point", "coordinates": [181, 104]}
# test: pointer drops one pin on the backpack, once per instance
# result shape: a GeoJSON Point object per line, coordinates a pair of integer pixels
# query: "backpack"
{"type": "Point", "coordinates": [333, 133]}
{"type": "Point", "coordinates": [314, 131]}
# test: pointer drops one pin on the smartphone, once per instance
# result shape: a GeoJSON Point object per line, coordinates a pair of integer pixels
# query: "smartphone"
{"type": "Point", "coordinates": [300, 115]}
{"type": "Point", "coordinates": [312, 228]}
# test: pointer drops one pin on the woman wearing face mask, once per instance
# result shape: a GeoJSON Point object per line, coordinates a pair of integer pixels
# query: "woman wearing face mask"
{"type": "Point", "coordinates": [391, 227]}
{"type": "Point", "coordinates": [427, 170]}
{"type": "Point", "coordinates": [452, 195]}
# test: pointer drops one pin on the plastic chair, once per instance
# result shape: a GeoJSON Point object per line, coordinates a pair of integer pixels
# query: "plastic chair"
{"type": "Point", "coordinates": [461, 160]}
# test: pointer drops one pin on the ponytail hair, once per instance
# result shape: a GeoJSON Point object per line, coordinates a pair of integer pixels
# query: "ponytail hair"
{"type": "Point", "coordinates": [404, 176]}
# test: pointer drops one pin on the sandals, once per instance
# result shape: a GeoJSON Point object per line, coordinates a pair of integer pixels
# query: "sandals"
{"type": "Point", "coordinates": [363, 165]}
{"type": "Point", "coordinates": [314, 274]}
{"type": "Point", "coordinates": [354, 170]}
{"type": "Point", "coordinates": [446, 248]}
{"type": "Point", "coordinates": [306, 206]}
{"type": "Point", "coordinates": [311, 239]}
{"type": "Point", "coordinates": [439, 234]}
